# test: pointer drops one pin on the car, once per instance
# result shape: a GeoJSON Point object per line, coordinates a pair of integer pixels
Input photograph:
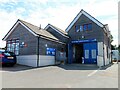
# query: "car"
{"type": "Point", "coordinates": [7, 58]}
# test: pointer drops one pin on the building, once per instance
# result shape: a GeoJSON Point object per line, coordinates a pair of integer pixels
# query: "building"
{"type": "Point", "coordinates": [89, 40]}
{"type": "Point", "coordinates": [32, 45]}
{"type": "Point", "coordinates": [115, 55]}
{"type": "Point", "coordinates": [86, 41]}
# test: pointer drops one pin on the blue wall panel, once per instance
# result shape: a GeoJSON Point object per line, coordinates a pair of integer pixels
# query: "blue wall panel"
{"type": "Point", "coordinates": [70, 53]}
{"type": "Point", "coordinates": [90, 53]}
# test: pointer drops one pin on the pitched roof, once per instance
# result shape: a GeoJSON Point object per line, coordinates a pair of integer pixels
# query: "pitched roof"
{"type": "Point", "coordinates": [60, 31]}
{"type": "Point", "coordinates": [33, 29]}
{"type": "Point", "coordinates": [82, 12]}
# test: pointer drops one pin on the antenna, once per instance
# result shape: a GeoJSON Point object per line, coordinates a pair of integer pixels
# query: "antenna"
{"type": "Point", "coordinates": [40, 27]}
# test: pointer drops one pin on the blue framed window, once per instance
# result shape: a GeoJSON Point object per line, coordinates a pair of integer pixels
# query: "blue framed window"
{"type": "Point", "coordinates": [77, 28]}
{"type": "Point", "coordinates": [90, 26]}
{"type": "Point", "coordinates": [81, 28]}
{"type": "Point", "coordinates": [85, 27]}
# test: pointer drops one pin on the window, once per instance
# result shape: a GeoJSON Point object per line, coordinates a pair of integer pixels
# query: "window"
{"type": "Point", "coordinates": [81, 28]}
{"type": "Point", "coordinates": [77, 28]}
{"type": "Point", "coordinates": [89, 26]}
{"type": "Point", "coordinates": [93, 54]}
{"type": "Point", "coordinates": [86, 54]}
{"type": "Point", "coordinates": [13, 46]}
{"type": "Point", "coordinates": [84, 27]}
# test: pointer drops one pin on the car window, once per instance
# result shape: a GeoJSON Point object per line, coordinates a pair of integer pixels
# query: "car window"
{"type": "Point", "coordinates": [1, 51]}
{"type": "Point", "coordinates": [8, 53]}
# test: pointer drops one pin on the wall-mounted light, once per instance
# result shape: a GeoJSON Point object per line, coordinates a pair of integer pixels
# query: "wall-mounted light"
{"type": "Point", "coordinates": [83, 36]}
{"type": "Point", "coordinates": [23, 43]}
{"type": "Point", "coordinates": [46, 45]}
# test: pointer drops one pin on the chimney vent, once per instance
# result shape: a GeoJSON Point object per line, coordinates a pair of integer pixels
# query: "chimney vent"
{"type": "Point", "coordinates": [40, 27]}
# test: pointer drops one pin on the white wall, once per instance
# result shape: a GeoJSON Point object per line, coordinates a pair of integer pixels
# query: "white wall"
{"type": "Point", "coordinates": [107, 59]}
{"type": "Point", "coordinates": [105, 54]}
{"type": "Point", "coordinates": [110, 55]}
{"type": "Point", "coordinates": [46, 60]}
{"type": "Point", "coordinates": [100, 48]}
{"type": "Point", "coordinates": [100, 60]}
{"type": "Point", "coordinates": [29, 60]}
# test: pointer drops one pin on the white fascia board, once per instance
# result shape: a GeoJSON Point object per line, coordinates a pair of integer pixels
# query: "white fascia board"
{"type": "Point", "coordinates": [72, 23]}
{"type": "Point", "coordinates": [28, 29]}
{"type": "Point", "coordinates": [10, 31]}
{"type": "Point", "coordinates": [52, 40]}
{"type": "Point", "coordinates": [87, 15]}
{"type": "Point", "coordinates": [18, 22]}
{"type": "Point", "coordinates": [55, 30]}
{"type": "Point", "coordinates": [91, 18]}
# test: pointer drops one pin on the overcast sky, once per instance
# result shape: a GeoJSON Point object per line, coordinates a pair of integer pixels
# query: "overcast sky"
{"type": "Point", "coordinates": [57, 12]}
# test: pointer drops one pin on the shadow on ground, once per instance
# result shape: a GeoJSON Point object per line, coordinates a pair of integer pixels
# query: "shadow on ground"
{"type": "Point", "coordinates": [16, 68]}
{"type": "Point", "coordinates": [66, 67]}
{"type": "Point", "coordinates": [107, 66]}
{"type": "Point", "coordinates": [83, 67]}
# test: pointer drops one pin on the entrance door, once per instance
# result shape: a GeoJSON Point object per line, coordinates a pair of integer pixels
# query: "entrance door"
{"type": "Point", "coordinates": [90, 53]}
{"type": "Point", "coordinates": [78, 53]}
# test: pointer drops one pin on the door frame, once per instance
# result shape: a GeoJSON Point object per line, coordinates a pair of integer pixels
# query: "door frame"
{"type": "Point", "coordinates": [70, 47]}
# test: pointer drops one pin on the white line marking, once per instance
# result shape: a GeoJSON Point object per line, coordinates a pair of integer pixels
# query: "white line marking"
{"type": "Point", "coordinates": [93, 72]}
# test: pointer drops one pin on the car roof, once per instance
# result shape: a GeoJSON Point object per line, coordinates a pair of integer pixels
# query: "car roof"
{"type": "Point", "coordinates": [1, 50]}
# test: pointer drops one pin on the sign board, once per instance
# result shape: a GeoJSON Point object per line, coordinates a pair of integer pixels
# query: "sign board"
{"type": "Point", "coordinates": [50, 51]}
{"type": "Point", "coordinates": [83, 41]}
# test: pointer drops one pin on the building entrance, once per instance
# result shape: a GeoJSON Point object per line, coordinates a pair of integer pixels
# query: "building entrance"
{"type": "Point", "coordinates": [82, 48]}
{"type": "Point", "coordinates": [78, 53]}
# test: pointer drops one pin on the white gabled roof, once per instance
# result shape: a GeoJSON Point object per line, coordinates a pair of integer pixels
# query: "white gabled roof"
{"type": "Point", "coordinates": [14, 26]}
{"type": "Point", "coordinates": [31, 28]}
{"type": "Point", "coordinates": [82, 12]}
{"type": "Point", "coordinates": [63, 33]}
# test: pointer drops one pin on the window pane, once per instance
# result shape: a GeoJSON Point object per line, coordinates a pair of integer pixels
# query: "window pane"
{"type": "Point", "coordinates": [85, 27]}
{"type": "Point", "coordinates": [8, 49]}
{"type": "Point", "coordinates": [77, 28]}
{"type": "Point", "coordinates": [81, 28]}
{"type": "Point", "coordinates": [93, 54]}
{"type": "Point", "coordinates": [13, 46]}
{"type": "Point", "coordinates": [16, 52]}
{"type": "Point", "coordinates": [87, 54]}
{"type": "Point", "coordinates": [89, 26]}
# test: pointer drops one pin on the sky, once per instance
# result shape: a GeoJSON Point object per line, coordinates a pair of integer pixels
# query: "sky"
{"type": "Point", "coordinates": [57, 12]}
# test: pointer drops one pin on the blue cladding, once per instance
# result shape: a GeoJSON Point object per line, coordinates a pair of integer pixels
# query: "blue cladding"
{"type": "Point", "coordinates": [83, 41]}
{"type": "Point", "coordinates": [70, 53]}
{"type": "Point", "coordinates": [90, 53]}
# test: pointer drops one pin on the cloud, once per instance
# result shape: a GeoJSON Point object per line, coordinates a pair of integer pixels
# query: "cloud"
{"type": "Point", "coordinates": [59, 13]}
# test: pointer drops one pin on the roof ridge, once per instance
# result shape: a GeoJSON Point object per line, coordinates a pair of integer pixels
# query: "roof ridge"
{"type": "Point", "coordinates": [58, 29]}
{"type": "Point", "coordinates": [92, 16]}
{"type": "Point", "coordinates": [82, 12]}
{"type": "Point", "coordinates": [28, 23]}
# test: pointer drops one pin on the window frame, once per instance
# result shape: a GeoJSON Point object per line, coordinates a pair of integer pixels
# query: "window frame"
{"type": "Point", "coordinates": [85, 27]}
{"type": "Point", "coordinates": [12, 46]}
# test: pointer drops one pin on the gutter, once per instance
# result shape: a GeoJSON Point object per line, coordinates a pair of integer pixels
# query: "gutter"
{"type": "Point", "coordinates": [38, 52]}
{"type": "Point", "coordinates": [103, 51]}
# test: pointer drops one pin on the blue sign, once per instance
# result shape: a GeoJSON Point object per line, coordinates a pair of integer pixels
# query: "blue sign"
{"type": "Point", "coordinates": [50, 51]}
{"type": "Point", "coordinates": [83, 41]}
